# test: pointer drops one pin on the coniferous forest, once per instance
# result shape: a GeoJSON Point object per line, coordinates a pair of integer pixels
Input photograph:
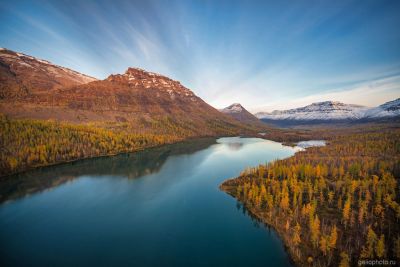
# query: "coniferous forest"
{"type": "Point", "coordinates": [31, 143]}
{"type": "Point", "coordinates": [331, 205]}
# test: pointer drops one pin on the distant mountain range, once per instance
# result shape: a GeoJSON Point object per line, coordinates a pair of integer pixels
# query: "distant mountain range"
{"type": "Point", "coordinates": [330, 111]}
{"type": "Point", "coordinates": [35, 88]}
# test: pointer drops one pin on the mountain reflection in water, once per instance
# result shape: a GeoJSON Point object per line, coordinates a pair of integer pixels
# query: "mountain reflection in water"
{"type": "Point", "coordinates": [129, 165]}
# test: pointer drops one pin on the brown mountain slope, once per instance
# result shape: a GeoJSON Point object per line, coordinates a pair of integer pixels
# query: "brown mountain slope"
{"type": "Point", "coordinates": [22, 75]}
{"type": "Point", "coordinates": [140, 98]}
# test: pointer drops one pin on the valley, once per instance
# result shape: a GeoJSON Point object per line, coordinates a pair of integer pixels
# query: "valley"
{"type": "Point", "coordinates": [330, 205]}
{"type": "Point", "coordinates": [48, 118]}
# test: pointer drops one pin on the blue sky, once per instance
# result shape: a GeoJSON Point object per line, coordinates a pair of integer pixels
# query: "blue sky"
{"type": "Point", "coordinates": [265, 55]}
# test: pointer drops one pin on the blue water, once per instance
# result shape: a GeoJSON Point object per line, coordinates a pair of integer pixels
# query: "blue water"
{"type": "Point", "coordinates": [160, 207]}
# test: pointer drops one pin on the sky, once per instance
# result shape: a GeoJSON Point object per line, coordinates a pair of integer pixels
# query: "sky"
{"type": "Point", "coordinates": [265, 55]}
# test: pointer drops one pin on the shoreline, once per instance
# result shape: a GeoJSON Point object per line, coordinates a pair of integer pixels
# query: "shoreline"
{"type": "Point", "coordinates": [253, 213]}
{"type": "Point", "coordinates": [228, 189]}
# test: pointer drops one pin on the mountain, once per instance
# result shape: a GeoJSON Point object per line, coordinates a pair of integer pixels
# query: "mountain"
{"type": "Point", "coordinates": [145, 101]}
{"type": "Point", "coordinates": [391, 106]}
{"type": "Point", "coordinates": [139, 97]}
{"type": "Point", "coordinates": [388, 109]}
{"type": "Point", "coordinates": [22, 75]}
{"type": "Point", "coordinates": [239, 113]}
{"type": "Point", "coordinates": [330, 111]}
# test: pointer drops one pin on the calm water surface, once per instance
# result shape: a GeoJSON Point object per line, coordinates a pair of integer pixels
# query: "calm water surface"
{"type": "Point", "coordinates": [161, 207]}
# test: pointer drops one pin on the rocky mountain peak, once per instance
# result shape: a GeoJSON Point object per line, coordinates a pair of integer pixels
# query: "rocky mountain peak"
{"type": "Point", "coordinates": [139, 79]}
{"type": "Point", "coordinates": [238, 112]}
{"type": "Point", "coordinates": [134, 75]}
{"type": "Point", "coordinates": [234, 108]}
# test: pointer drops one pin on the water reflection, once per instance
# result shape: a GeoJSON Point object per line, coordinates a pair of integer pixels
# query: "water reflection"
{"type": "Point", "coordinates": [235, 143]}
{"type": "Point", "coordinates": [235, 146]}
{"type": "Point", "coordinates": [129, 166]}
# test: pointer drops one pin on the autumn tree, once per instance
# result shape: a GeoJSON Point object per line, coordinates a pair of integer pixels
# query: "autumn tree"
{"type": "Point", "coordinates": [315, 230]}
{"type": "Point", "coordinates": [368, 249]}
{"type": "Point", "coordinates": [296, 235]}
{"type": "Point", "coordinates": [380, 247]}
{"type": "Point", "coordinates": [346, 211]}
{"type": "Point", "coordinates": [345, 260]}
{"type": "Point", "coordinates": [323, 245]}
{"type": "Point", "coordinates": [333, 238]}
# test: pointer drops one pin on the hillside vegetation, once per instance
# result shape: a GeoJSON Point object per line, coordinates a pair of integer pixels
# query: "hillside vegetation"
{"type": "Point", "coordinates": [331, 205]}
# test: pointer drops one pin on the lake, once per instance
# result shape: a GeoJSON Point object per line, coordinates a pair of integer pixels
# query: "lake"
{"type": "Point", "coordinates": [159, 207]}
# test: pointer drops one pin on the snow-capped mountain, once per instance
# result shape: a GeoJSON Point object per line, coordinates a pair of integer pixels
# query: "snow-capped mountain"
{"type": "Point", "coordinates": [333, 111]}
{"type": "Point", "coordinates": [388, 109]}
{"type": "Point", "coordinates": [238, 112]}
{"type": "Point", "coordinates": [234, 108]}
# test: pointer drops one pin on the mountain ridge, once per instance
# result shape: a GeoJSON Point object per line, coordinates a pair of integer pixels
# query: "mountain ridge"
{"type": "Point", "coordinates": [23, 75]}
{"type": "Point", "coordinates": [333, 111]}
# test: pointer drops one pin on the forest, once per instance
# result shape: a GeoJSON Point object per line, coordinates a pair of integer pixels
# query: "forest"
{"type": "Point", "coordinates": [331, 205]}
{"type": "Point", "coordinates": [29, 143]}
